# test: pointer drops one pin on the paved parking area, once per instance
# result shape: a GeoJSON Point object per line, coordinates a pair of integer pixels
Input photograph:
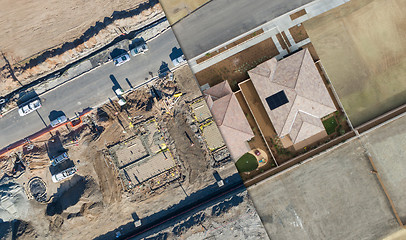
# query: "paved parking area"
{"type": "Point", "coordinates": [333, 196]}
{"type": "Point", "coordinates": [387, 145]}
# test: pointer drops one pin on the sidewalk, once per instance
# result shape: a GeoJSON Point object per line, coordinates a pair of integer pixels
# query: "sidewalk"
{"type": "Point", "coordinates": [271, 28]}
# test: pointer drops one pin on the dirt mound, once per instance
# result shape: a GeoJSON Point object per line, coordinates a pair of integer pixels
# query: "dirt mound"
{"type": "Point", "coordinates": [23, 230]}
{"type": "Point", "coordinates": [76, 189]}
{"type": "Point", "coordinates": [140, 99]}
{"type": "Point", "coordinates": [55, 223]}
{"type": "Point", "coordinates": [179, 128]}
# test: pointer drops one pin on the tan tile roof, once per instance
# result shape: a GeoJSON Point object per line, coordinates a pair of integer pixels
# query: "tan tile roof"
{"type": "Point", "coordinates": [236, 141]}
{"type": "Point", "coordinates": [220, 90]}
{"type": "Point", "coordinates": [308, 97]}
{"type": "Point", "coordinates": [229, 117]}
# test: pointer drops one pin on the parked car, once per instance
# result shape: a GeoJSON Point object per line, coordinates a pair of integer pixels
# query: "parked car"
{"type": "Point", "coordinates": [59, 121]}
{"type": "Point", "coordinates": [121, 59]}
{"type": "Point", "coordinates": [29, 107]}
{"type": "Point", "coordinates": [177, 61]}
{"type": "Point", "coordinates": [67, 173]}
{"type": "Point", "coordinates": [122, 101]}
{"type": "Point", "coordinates": [142, 48]}
{"type": "Point", "coordinates": [119, 91]}
{"type": "Point", "coordinates": [59, 159]}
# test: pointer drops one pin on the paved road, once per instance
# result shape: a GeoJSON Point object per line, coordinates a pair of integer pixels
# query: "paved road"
{"type": "Point", "coordinates": [89, 90]}
{"type": "Point", "coordinates": [221, 20]}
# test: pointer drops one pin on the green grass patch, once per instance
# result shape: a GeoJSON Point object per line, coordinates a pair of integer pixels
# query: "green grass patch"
{"type": "Point", "coordinates": [330, 124]}
{"type": "Point", "coordinates": [247, 163]}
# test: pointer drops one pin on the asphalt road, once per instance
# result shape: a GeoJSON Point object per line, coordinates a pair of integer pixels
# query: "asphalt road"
{"type": "Point", "coordinates": [90, 89]}
{"type": "Point", "coordinates": [222, 20]}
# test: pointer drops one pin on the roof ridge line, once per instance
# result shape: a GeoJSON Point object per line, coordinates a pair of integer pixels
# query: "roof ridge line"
{"type": "Point", "coordinates": [236, 129]}
{"type": "Point", "coordinates": [300, 128]}
{"type": "Point", "coordinates": [300, 68]}
{"type": "Point", "coordinates": [290, 109]}
{"type": "Point", "coordinates": [308, 114]}
{"type": "Point", "coordinates": [320, 102]}
{"type": "Point", "coordinates": [228, 104]}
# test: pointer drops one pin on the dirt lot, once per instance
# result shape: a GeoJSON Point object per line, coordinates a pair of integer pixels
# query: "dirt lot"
{"type": "Point", "coordinates": [95, 201]}
{"type": "Point", "coordinates": [178, 9]}
{"type": "Point", "coordinates": [399, 235]}
{"type": "Point", "coordinates": [231, 218]}
{"type": "Point", "coordinates": [35, 44]}
{"type": "Point", "coordinates": [30, 27]}
{"type": "Point", "coordinates": [234, 69]}
{"type": "Point", "coordinates": [387, 146]}
{"type": "Point", "coordinates": [333, 196]}
{"type": "Point", "coordinates": [361, 45]}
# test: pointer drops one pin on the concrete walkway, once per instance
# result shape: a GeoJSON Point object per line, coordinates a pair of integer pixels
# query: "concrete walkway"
{"type": "Point", "coordinates": [271, 28]}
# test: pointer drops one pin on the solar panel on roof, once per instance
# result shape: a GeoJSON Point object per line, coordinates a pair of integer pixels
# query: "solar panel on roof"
{"type": "Point", "coordinates": [277, 100]}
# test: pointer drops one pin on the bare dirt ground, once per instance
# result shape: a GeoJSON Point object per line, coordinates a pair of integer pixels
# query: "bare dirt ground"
{"type": "Point", "coordinates": [175, 10]}
{"type": "Point", "coordinates": [233, 218]}
{"type": "Point", "coordinates": [332, 196]}
{"type": "Point", "coordinates": [399, 235]}
{"type": "Point", "coordinates": [387, 145]}
{"type": "Point", "coordinates": [42, 38]}
{"type": "Point", "coordinates": [29, 27]}
{"type": "Point", "coordinates": [234, 69]}
{"type": "Point", "coordinates": [361, 45]}
{"type": "Point", "coordinates": [95, 201]}
{"type": "Point", "coordinates": [298, 33]}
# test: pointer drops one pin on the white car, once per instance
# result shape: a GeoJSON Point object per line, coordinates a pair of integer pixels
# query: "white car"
{"type": "Point", "coordinates": [121, 59]}
{"type": "Point", "coordinates": [67, 173]}
{"type": "Point", "coordinates": [122, 101]}
{"type": "Point", "coordinates": [29, 107]}
{"type": "Point", "coordinates": [142, 48]}
{"type": "Point", "coordinates": [59, 121]}
{"type": "Point", "coordinates": [119, 91]}
{"type": "Point", "coordinates": [177, 61]}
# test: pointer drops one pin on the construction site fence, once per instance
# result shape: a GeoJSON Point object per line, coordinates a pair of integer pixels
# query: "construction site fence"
{"type": "Point", "coordinates": [39, 134]}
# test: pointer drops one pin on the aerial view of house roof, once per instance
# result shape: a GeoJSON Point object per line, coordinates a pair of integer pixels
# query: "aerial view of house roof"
{"type": "Point", "coordinates": [230, 118]}
{"type": "Point", "coordinates": [294, 95]}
